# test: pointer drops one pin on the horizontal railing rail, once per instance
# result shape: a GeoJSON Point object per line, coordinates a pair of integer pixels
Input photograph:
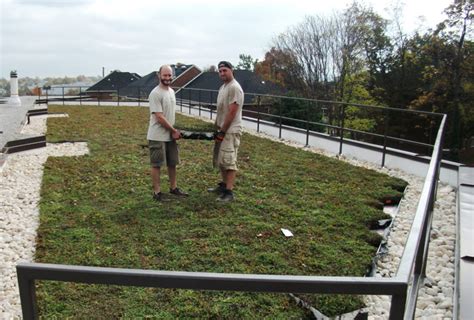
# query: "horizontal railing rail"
{"type": "Point", "coordinates": [412, 267]}
{"type": "Point", "coordinates": [28, 273]}
{"type": "Point", "coordinates": [205, 100]}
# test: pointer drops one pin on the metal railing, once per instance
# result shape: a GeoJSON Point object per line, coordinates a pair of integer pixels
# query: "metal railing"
{"type": "Point", "coordinates": [403, 287]}
{"type": "Point", "coordinates": [268, 109]}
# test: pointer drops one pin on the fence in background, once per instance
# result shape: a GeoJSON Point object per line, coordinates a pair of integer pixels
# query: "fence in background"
{"type": "Point", "coordinates": [414, 132]}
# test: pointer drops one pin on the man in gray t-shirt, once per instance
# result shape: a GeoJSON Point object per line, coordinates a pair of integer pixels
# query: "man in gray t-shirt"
{"type": "Point", "coordinates": [162, 135]}
{"type": "Point", "coordinates": [230, 101]}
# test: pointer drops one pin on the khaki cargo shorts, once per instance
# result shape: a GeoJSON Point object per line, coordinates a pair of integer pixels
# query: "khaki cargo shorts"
{"type": "Point", "coordinates": [163, 153]}
{"type": "Point", "coordinates": [225, 152]}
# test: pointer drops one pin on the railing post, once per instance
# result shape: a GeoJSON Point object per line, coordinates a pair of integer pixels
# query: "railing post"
{"type": "Point", "coordinates": [181, 99]}
{"type": "Point", "coordinates": [308, 112]}
{"type": "Point", "coordinates": [139, 95]}
{"type": "Point", "coordinates": [341, 139]}
{"type": "Point", "coordinates": [397, 307]}
{"type": "Point", "coordinates": [385, 131]}
{"type": "Point", "coordinates": [258, 113]}
{"type": "Point", "coordinates": [27, 292]}
{"type": "Point", "coordinates": [199, 101]}
{"type": "Point", "coordinates": [424, 245]}
{"type": "Point", "coordinates": [47, 96]}
{"type": "Point", "coordinates": [423, 248]}
{"type": "Point", "coordinates": [211, 106]}
{"type": "Point", "coordinates": [118, 97]}
{"type": "Point", "coordinates": [189, 101]}
{"type": "Point", "coordinates": [430, 136]}
{"type": "Point", "coordinates": [280, 112]}
{"type": "Point", "coordinates": [63, 95]}
{"type": "Point", "coordinates": [98, 98]}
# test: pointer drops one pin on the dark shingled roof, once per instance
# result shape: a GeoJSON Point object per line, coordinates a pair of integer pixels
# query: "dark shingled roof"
{"type": "Point", "coordinates": [248, 80]}
{"type": "Point", "coordinates": [114, 81]}
{"type": "Point", "coordinates": [145, 84]}
{"type": "Point", "coordinates": [150, 81]}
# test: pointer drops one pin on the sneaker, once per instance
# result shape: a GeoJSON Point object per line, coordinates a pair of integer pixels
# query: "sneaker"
{"type": "Point", "coordinates": [178, 192]}
{"type": "Point", "coordinates": [227, 196]}
{"type": "Point", "coordinates": [158, 196]}
{"type": "Point", "coordinates": [219, 189]}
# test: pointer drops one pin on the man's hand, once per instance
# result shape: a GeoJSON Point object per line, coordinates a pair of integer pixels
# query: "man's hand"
{"type": "Point", "coordinates": [219, 136]}
{"type": "Point", "coordinates": [176, 135]}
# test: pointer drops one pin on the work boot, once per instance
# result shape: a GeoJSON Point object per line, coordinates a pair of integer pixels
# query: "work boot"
{"type": "Point", "coordinates": [158, 196]}
{"type": "Point", "coordinates": [178, 192]}
{"type": "Point", "coordinates": [219, 189]}
{"type": "Point", "coordinates": [226, 196]}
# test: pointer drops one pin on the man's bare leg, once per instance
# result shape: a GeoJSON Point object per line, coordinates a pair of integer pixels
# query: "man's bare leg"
{"type": "Point", "coordinates": [155, 179]}
{"type": "Point", "coordinates": [172, 176]}
{"type": "Point", "coordinates": [230, 178]}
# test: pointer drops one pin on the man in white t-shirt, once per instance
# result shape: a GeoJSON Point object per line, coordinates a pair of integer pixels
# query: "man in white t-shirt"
{"type": "Point", "coordinates": [230, 101]}
{"type": "Point", "coordinates": [162, 135]}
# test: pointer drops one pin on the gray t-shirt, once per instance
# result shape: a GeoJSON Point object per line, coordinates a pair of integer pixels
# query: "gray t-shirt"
{"type": "Point", "coordinates": [164, 101]}
{"type": "Point", "coordinates": [229, 93]}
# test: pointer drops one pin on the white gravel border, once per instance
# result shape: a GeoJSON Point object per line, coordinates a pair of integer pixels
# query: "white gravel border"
{"type": "Point", "coordinates": [20, 178]}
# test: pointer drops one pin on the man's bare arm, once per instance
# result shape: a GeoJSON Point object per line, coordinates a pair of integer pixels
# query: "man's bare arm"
{"type": "Point", "coordinates": [160, 118]}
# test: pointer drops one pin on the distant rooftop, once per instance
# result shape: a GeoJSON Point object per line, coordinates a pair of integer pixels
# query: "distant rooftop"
{"type": "Point", "coordinates": [114, 81]}
{"type": "Point", "coordinates": [248, 80]}
{"type": "Point", "coordinates": [144, 84]}
{"type": "Point", "coordinates": [150, 81]}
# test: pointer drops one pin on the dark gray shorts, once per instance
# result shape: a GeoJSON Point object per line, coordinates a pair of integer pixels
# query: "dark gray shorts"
{"type": "Point", "coordinates": [163, 153]}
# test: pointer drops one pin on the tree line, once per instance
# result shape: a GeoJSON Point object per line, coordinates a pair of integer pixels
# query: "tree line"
{"type": "Point", "coordinates": [356, 56]}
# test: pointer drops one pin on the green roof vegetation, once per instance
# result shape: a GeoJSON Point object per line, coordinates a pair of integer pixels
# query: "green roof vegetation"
{"type": "Point", "coordinates": [97, 210]}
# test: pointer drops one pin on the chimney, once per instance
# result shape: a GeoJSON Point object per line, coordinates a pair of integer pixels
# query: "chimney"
{"type": "Point", "coordinates": [14, 99]}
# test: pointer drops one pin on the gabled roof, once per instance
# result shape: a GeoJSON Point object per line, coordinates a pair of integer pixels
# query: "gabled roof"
{"type": "Point", "coordinates": [178, 69]}
{"type": "Point", "coordinates": [114, 81]}
{"type": "Point", "coordinates": [248, 80]}
{"type": "Point", "coordinates": [144, 84]}
{"type": "Point", "coordinates": [150, 81]}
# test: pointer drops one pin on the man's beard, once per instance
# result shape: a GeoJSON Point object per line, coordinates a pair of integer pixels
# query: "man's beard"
{"type": "Point", "coordinates": [165, 82]}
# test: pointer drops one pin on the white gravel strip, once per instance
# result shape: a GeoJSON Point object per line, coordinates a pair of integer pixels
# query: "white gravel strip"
{"type": "Point", "coordinates": [21, 175]}
{"type": "Point", "coordinates": [20, 178]}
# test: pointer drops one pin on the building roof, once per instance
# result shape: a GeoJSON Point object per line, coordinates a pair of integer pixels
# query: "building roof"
{"type": "Point", "coordinates": [144, 85]}
{"type": "Point", "coordinates": [150, 81]}
{"type": "Point", "coordinates": [116, 80]}
{"type": "Point", "coordinates": [178, 69]}
{"type": "Point", "coordinates": [248, 80]}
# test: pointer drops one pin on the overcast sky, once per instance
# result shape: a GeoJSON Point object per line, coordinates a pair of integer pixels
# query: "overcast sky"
{"type": "Point", "coordinates": [79, 37]}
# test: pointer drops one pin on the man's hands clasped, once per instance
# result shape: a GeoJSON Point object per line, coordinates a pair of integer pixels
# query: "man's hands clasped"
{"type": "Point", "coordinates": [176, 135]}
{"type": "Point", "coordinates": [219, 136]}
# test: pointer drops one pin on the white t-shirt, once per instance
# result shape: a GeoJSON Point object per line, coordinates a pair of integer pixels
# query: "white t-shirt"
{"type": "Point", "coordinates": [229, 93]}
{"type": "Point", "coordinates": [164, 101]}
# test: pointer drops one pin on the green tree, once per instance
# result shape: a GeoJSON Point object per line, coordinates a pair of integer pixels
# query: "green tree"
{"type": "Point", "coordinates": [357, 117]}
{"type": "Point", "coordinates": [303, 111]}
{"type": "Point", "coordinates": [246, 62]}
{"type": "Point", "coordinates": [446, 60]}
